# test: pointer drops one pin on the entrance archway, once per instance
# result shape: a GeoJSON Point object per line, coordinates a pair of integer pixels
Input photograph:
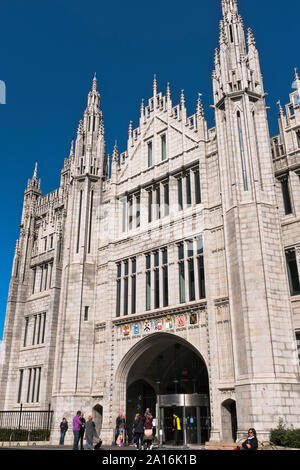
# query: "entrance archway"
{"type": "Point", "coordinates": [229, 420]}
{"type": "Point", "coordinates": [165, 373]}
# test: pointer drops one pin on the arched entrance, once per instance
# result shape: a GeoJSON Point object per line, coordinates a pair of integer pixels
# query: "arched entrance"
{"type": "Point", "coordinates": [167, 374]}
{"type": "Point", "coordinates": [229, 420]}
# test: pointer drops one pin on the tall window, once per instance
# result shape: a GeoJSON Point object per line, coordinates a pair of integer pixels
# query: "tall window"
{"type": "Point", "coordinates": [188, 190]}
{"type": "Point", "coordinates": [165, 277]}
{"type": "Point", "coordinates": [298, 344]}
{"type": "Point", "coordinates": [138, 211]}
{"type": "Point", "coordinates": [150, 206]}
{"type": "Point", "coordinates": [130, 213]}
{"type": "Point", "coordinates": [181, 273]}
{"type": "Point", "coordinates": [119, 281]}
{"type": "Point", "coordinates": [125, 282]}
{"type": "Point", "coordinates": [163, 147]}
{"type": "Point", "coordinates": [200, 265]}
{"type": "Point", "coordinates": [191, 271]}
{"type": "Point", "coordinates": [166, 199]}
{"type": "Point", "coordinates": [33, 384]}
{"type": "Point", "coordinates": [298, 138]}
{"type": "Point", "coordinates": [148, 282]}
{"type": "Point", "coordinates": [293, 273]}
{"type": "Point", "coordinates": [242, 151]}
{"type": "Point", "coordinates": [156, 279]}
{"type": "Point", "coordinates": [157, 191]}
{"type": "Point", "coordinates": [39, 328]}
{"type": "Point", "coordinates": [149, 154]}
{"type": "Point", "coordinates": [21, 374]}
{"type": "Point", "coordinates": [25, 332]}
{"type": "Point", "coordinates": [133, 285]}
{"type": "Point", "coordinates": [179, 187]}
{"type": "Point", "coordinates": [197, 187]}
{"type": "Point", "coordinates": [286, 196]}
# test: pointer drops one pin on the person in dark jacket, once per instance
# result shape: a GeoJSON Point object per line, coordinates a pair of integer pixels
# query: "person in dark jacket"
{"type": "Point", "coordinates": [251, 442]}
{"type": "Point", "coordinates": [63, 429]}
{"type": "Point", "coordinates": [81, 431]}
{"type": "Point", "coordinates": [138, 430]}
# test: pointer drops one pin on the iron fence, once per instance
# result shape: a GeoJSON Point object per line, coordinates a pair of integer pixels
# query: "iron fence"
{"type": "Point", "coordinates": [28, 420]}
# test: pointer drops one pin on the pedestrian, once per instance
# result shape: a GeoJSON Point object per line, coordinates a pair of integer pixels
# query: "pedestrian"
{"type": "Point", "coordinates": [138, 429]}
{"type": "Point", "coordinates": [176, 428]}
{"type": "Point", "coordinates": [90, 433]}
{"type": "Point", "coordinates": [81, 432]}
{"type": "Point", "coordinates": [118, 422]}
{"type": "Point", "coordinates": [148, 413]}
{"type": "Point", "coordinates": [76, 429]}
{"type": "Point", "coordinates": [63, 429]}
{"type": "Point", "coordinates": [251, 442]}
{"type": "Point", "coordinates": [122, 431]}
{"type": "Point", "coordinates": [148, 433]}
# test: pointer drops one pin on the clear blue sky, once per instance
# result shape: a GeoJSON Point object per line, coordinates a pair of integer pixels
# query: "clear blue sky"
{"type": "Point", "coordinates": [50, 49]}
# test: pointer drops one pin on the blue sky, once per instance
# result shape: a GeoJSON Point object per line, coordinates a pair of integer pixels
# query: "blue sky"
{"type": "Point", "coordinates": [50, 49]}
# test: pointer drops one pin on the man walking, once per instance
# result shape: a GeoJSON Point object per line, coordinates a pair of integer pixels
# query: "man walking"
{"type": "Point", "coordinates": [77, 424]}
{"type": "Point", "coordinates": [176, 429]}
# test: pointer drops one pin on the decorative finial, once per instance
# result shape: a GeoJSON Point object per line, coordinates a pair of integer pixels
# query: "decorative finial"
{"type": "Point", "coordinates": [154, 85]}
{"type": "Point", "coordinates": [200, 109]}
{"type": "Point", "coordinates": [182, 99]}
{"type": "Point", "coordinates": [168, 93]}
{"type": "Point", "coordinates": [72, 149]}
{"type": "Point", "coordinates": [35, 172]}
{"type": "Point", "coordinates": [94, 88]}
{"type": "Point", "coordinates": [142, 107]}
{"type": "Point", "coordinates": [296, 74]}
{"type": "Point", "coordinates": [280, 108]}
{"type": "Point", "coordinates": [130, 129]}
{"type": "Point", "coordinates": [250, 38]}
{"type": "Point", "coordinates": [115, 155]}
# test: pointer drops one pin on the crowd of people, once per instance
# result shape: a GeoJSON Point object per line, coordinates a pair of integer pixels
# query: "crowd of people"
{"type": "Point", "coordinates": [81, 428]}
{"type": "Point", "coordinates": [142, 432]}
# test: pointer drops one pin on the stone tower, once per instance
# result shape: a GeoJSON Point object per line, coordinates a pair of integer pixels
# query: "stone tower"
{"type": "Point", "coordinates": [265, 360]}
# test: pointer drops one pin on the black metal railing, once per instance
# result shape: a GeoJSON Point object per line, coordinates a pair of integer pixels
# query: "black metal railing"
{"type": "Point", "coordinates": [29, 420]}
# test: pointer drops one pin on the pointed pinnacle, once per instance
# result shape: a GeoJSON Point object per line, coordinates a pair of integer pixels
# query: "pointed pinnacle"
{"type": "Point", "coordinates": [154, 85]}
{"type": "Point", "coordinates": [34, 177]}
{"type": "Point", "coordinates": [200, 109]}
{"type": "Point", "coordinates": [94, 87]}
{"type": "Point", "coordinates": [280, 108]}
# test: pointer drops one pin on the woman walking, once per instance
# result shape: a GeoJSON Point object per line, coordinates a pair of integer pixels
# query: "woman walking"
{"type": "Point", "coordinates": [138, 429]}
{"type": "Point", "coordinates": [148, 433]}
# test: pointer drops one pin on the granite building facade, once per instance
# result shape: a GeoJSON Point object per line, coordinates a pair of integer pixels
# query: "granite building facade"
{"type": "Point", "coordinates": [166, 275]}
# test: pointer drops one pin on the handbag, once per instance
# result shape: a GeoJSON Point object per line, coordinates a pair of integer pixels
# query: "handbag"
{"type": "Point", "coordinates": [148, 433]}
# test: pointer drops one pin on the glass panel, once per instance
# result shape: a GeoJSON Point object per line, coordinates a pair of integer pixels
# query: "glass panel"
{"type": "Point", "coordinates": [148, 290]}
{"type": "Point", "coordinates": [286, 196]}
{"type": "Point", "coordinates": [191, 279]}
{"type": "Point", "coordinates": [179, 185]}
{"type": "Point", "coordinates": [293, 273]}
{"type": "Point", "coordinates": [181, 282]}
{"type": "Point", "coordinates": [163, 147]}
{"type": "Point", "coordinates": [149, 154]}
{"type": "Point", "coordinates": [197, 187]}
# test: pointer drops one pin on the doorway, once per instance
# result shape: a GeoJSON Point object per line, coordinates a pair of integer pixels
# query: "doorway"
{"type": "Point", "coordinates": [169, 366]}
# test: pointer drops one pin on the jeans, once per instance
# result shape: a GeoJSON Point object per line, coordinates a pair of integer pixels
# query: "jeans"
{"type": "Point", "coordinates": [76, 439]}
{"type": "Point", "coordinates": [62, 437]}
{"type": "Point", "coordinates": [139, 439]}
{"type": "Point", "coordinates": [88, 445]}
